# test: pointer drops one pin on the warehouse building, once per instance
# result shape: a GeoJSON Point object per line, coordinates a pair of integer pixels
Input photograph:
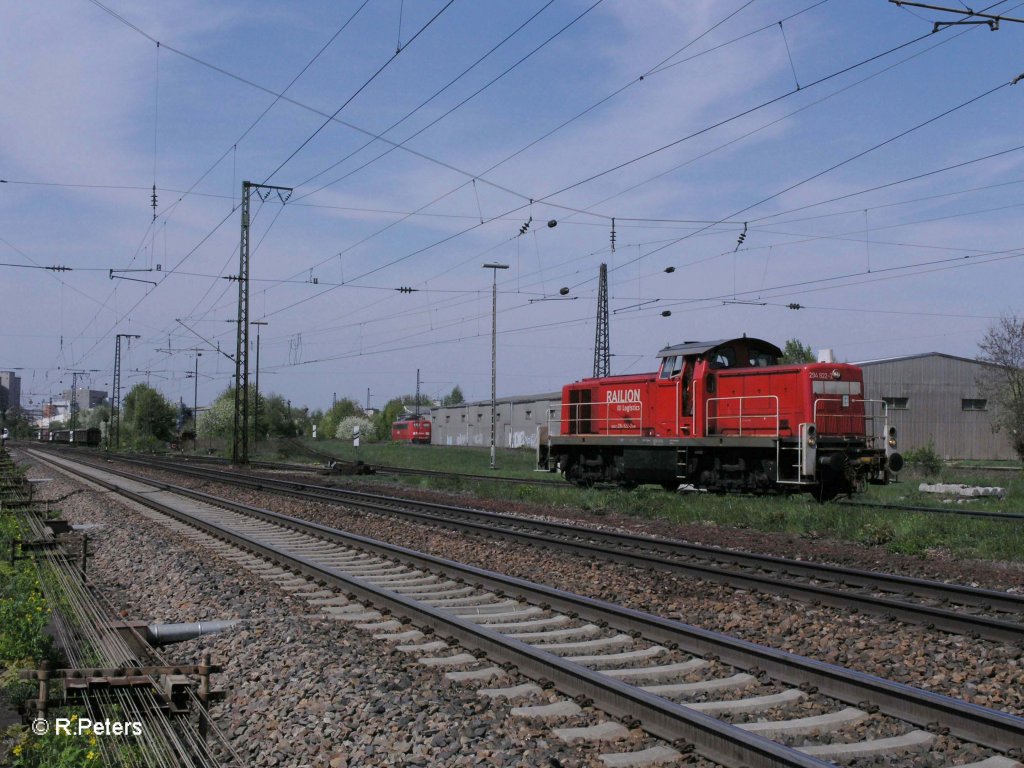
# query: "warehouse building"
{"type": "Point", "coordinates": [516, 426]}
{"type": "Point", "coordinates": [933, 399]}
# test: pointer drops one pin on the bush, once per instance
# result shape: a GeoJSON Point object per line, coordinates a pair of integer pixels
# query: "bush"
{"type": "Point", "coordinates": [346, 428]}
{"type": "Point", "coordinates": [924, 459]}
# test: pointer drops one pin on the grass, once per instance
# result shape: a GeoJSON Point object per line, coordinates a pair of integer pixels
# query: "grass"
{"type": "Point", "coordinates": [911, 533]}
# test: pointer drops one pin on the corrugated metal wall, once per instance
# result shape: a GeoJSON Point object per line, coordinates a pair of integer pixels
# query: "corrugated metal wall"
{"type": "Point", "coordinates": [517, 422]}
{"type": "Point", "coordinates": [935, 387]}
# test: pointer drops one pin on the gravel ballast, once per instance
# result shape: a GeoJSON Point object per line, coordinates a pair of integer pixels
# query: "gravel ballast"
{"type": "Point", "coordinates": [307, 691]}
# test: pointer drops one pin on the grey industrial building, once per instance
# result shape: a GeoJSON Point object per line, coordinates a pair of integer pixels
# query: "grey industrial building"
{"type": "Point", "coordinates": [10, 392]}
{"type": "Point", "coordinates": [516, 425]}
{"type": "Point", "coordinates": [933, 399]}
{"type": "Point", "coordinates": [85, 398]}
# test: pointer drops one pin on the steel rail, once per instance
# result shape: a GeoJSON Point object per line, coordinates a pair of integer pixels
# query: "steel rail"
{"type": "Point", "coordinates": [611, 546]}
{"type": "Point", "coordinates": [990, 728]}
{"type": "Point", "coordinates": [713, 738]}
{"type": "Point", "coordinates": [920, 508]}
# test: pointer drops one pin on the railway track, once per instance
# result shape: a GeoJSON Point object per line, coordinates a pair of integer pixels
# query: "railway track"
{"type": "Point", "coordinates": [359, 468]}
{"type": "Point", "coordinates": [957, 511]}
{"type": "Point", "coordinates": [636, 666]}
{"type": "Point", "coordinates": [971, 611]}
{"type": "Point", "coordinates": [975, 513]}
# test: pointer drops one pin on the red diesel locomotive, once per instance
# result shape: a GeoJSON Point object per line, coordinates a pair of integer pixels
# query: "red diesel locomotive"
{"type": "Point", "coordinates": [727, 416]}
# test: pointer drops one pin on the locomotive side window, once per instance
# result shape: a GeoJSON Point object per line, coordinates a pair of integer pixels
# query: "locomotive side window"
{"type": "Point", "coordinates": [725, 357]}
{"type": "Point", "coordinates": [671, 367]}
{"type": "Point", "coordinates": [761, 360]}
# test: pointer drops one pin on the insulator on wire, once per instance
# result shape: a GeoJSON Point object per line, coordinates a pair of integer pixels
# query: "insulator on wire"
{"type": "Point", "coordinates": [742, 237]}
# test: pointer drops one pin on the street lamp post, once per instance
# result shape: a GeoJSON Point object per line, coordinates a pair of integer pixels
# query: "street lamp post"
{"type": "Point", "coordinates": [494, 267]}
{"type": "Point", "coordinates": [256, 409]}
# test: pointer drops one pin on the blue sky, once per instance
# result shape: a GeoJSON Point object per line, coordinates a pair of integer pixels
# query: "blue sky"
{"type": "Point", "coordinates": [875, 166]}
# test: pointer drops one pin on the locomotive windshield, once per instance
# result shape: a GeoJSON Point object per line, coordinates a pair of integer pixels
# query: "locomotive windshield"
{"type": "Point", "coordinates": [672, 366]}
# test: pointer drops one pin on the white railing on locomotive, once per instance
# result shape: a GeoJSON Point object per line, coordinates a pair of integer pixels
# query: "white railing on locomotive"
{"type": "Point", "coordinates": [830, 423]}
{"type": "Point", "coordinates": [626, 423]}
{"type": "Point", "coordinates": [765, 419]}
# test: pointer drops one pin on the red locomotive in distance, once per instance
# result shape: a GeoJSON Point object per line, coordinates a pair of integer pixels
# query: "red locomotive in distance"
{"type": "Point", "coordinates": [411, 429]}
{"type": "Point", "coordinates": [727, 416]}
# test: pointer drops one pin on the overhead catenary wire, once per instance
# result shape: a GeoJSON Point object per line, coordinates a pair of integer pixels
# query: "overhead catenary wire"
{"type": "Point", "coordinates": [621, 220]}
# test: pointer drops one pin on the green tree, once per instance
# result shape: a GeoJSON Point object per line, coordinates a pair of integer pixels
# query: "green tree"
{"type": "Point", "coordinates": [1002, 379]}
{"type": "Point", "coordinates": [455, 397]}
{"type": "Point", "coordinates": [147, 418]}
{"type": "Point", "coordinates": [346, 428]}
{"type": "Point", "coordinates": [219, 419]}
{"type": "Point", "coordinates": [327, 425]}
{"type": "Point", "coordinates": [797, 352]}
{"type": "Point", "coordinates": [94, 417]}
{"type": "Point", "coordinates": [21, 426]}
{"type": "Point", "coordinates": [276, 420]}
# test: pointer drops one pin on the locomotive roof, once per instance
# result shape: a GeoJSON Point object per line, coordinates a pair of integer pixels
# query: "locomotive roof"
{"type": "Point", "coordinates": [700, 347]}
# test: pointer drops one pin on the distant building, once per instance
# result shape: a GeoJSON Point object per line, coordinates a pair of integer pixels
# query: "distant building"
{"type": "Point", "coordinates": [85, 398]}
{"type": "Point", "coordinates": [53, 409]}
{"type": "Point", "coordinates": [10, 393]}
{"type": "Point", "coordinates": [933, 399]}
{"type": "Point", "coordinates": [516, 425]}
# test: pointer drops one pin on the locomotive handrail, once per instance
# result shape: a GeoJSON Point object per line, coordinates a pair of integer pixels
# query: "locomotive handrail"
{"type": "Point", "coordinates": [867, 419]}
{"type": "Point", "coordinates": [709, 419]}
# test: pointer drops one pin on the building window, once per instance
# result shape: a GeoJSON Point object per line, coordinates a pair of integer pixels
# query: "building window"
{"type": "Point", "coordinates": [973, 404]}
{"type": "Point", "coordinates": [896, 403]}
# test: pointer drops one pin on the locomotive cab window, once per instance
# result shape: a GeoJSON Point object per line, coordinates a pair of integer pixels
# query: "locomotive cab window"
{"type": "Point", "coordinates": [761, 359]}
{"type": "Point", "coordinates": [671, 367]}
{"type": "Point", "coordinates": [724, 357]}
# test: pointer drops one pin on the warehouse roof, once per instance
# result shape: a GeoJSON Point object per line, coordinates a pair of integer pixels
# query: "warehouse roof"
{"type": "Point", "coordinates": [918, 356]}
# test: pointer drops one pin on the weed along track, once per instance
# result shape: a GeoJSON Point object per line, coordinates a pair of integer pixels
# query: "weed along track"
{"type": "Point", "coordinates": [645, 687]}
